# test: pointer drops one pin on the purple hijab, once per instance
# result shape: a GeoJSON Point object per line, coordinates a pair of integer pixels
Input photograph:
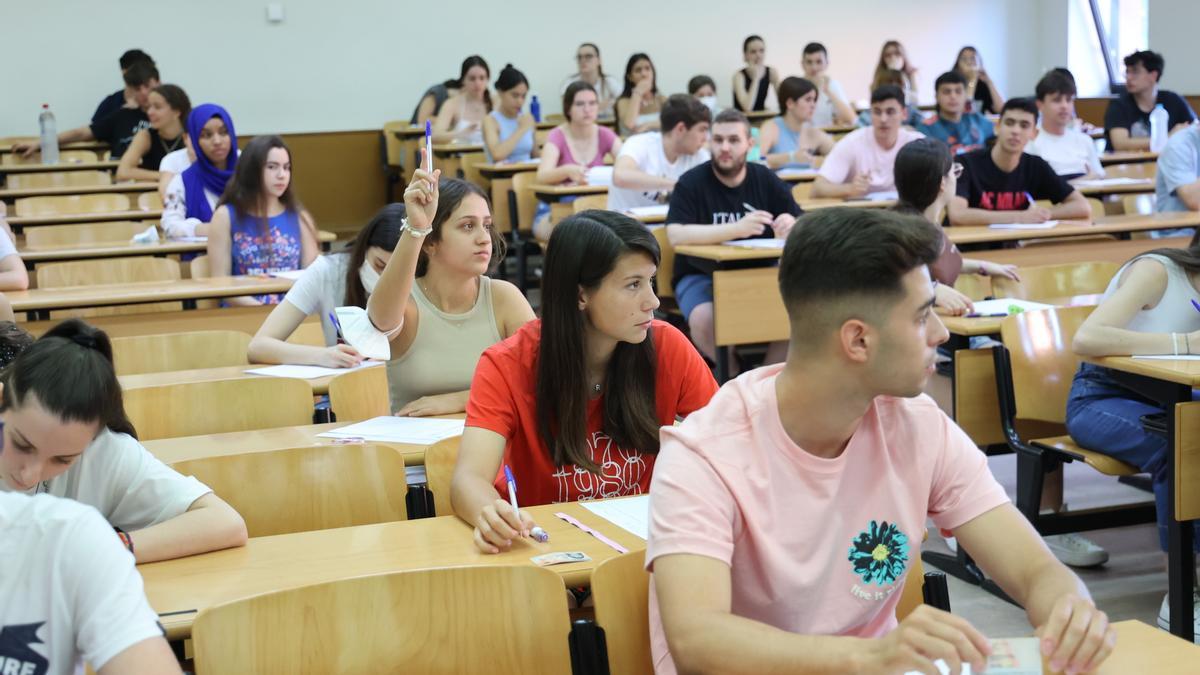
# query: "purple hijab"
{"type": "Point", "coordinates": [202, 174]}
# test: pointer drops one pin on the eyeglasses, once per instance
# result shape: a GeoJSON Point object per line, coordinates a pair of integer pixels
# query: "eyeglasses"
{"type": "Point", "coordinates": [956, 170]}
{"type": "Point", "coordinates": [584, 57]}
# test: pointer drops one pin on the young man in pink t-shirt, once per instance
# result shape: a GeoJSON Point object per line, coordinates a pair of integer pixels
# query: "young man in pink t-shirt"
{"type": "Point", "coordinates": [862, 162]}
{"type": "Point", "coordinates": [785, 514]}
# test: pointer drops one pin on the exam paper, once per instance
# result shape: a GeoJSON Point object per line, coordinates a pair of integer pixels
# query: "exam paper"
{"type": "Point", "coordinates": [1010, 656]}
{"type": "Point", "coordinates": [1169, 357]}
{"type": "Point", "coordinates": [631, 514]}
{"type": "Point", "coordinates": [1024, 226]}
{"type": "Point", "coordinates": [288, 274]}
{"type": "Point", "coordinates": [756, 243]}
{"type": "Point", "coordinates": [390, 429]}
{"type": "Point", "coordinates": [309, 372]}
{"type": "Point", "coordinates": [600, 175]}
{"type": "Point", "coordinates": [656, 210]}
{"type": "Point", "coordinates": [1006, 306]}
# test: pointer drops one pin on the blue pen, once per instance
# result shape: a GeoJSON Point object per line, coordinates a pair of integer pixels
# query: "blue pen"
{"type": "Point", "coordinates": [537, 533]}
{"type": "Point", "coordinates": [337, 326]}
{"type": "Point", "coordinates": [1196, 305]}
{"type": "Point", "coordinates": [1028, 199]}
{"type": "Point", "coordinates": [983, 316]}
{"type": "Point", "coordinates": [429, 146]}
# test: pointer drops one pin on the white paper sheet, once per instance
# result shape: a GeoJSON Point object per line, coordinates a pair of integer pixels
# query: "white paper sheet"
{"type": "Point", "coordinates": [656, 210]}
{"type": "Point", "coordinates": [1005, 305]}
{"type": "Point", "coordinates": [1024, 226]}
{"type": "Point", "coordinates": [309, 372]}
{"type": "Point", "coordinates": [192, 240]}
{"type": "Point", "coordinates": [288, 274]}
{"type": "Point", "coordinates": [600, 175]}
{"type": "Point", "coordinates": [1169, 357]}
{"type": "Point", "coordinates": [414, 430]}
{"type": "Point", "coordinates": [1010, 656]}
{"type": "Point", "coordinates": [882, 196]}
{"type": "Point", "coordinates": [795, 173]}
{"type": "Point", "coordinates": [631, 514]}
{"type": "Point", "coordinates": [359, 333]}
{"type": "Point", "coordinates": [757, 243]}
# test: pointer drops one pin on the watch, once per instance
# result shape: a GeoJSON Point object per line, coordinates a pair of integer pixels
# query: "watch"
{"type": "Point", "coordinates": [412, 231]}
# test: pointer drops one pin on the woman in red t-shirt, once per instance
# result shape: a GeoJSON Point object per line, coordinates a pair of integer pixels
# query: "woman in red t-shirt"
{"type": "Point", "coordinates": [573, 402]}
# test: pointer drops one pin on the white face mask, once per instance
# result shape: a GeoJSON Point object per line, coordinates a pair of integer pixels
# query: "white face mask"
{"type": "Point", "coordinates": [368, 276]}
{"type": "Point", "coordinates": [711, 103]}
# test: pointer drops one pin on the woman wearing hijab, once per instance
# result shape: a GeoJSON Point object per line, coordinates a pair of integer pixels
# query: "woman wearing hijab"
{"type": "Point", "coordinates": [192, 195]}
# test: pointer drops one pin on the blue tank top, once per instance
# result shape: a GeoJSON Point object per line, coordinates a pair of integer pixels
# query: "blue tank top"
{"type": "Point", "coordinates": [523, 150]}
{"type": "Point", "coordinates": [787, 141]}
{"type": "Point", "coordinates": [256, 253]}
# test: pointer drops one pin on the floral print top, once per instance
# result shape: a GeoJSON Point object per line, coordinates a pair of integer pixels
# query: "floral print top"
{"type": "Point", "coordinates": [256, 252]}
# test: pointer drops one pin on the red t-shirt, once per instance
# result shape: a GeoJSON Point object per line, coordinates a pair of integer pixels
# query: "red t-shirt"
{"type": "Point", "coordinates": [503, 400]}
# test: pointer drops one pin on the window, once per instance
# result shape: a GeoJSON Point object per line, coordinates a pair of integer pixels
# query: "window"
{"type": "Point", "coordinates": [1123, 27]}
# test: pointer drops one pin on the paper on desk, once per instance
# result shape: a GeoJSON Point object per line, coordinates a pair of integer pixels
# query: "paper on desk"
{"type": "Point", "coordinates": [390, 429]}
{"type": "Point", "coordinates": [309, 372]}
{"type": "Point", "coordinates": [1005, 305]}
{"type": "Point", "coordinates": [882, 196]}
{"type": "Point", "coordinates": [795, 173]}
{"type": "Point", "coordinates": [288, 274]}
{"type": "Point", "coordinates": [1024, 226]}
{"type": "Point", "coordinates": [631, 514]}
{"type": "Point", "coordinates": [1010, 656]}
{"type": "Point", "coordinates": [1169, 357]}
{"type": "Point", "coordinates": [600, 175]}
{"type": "Point", "coordinates": [756, 243]}
{"type": "Point", "coordinates": [656, 210]}
{"type": "Point", "coordinates": [192, 240]}
{"type": "Point", "coordinates": [360, 333]}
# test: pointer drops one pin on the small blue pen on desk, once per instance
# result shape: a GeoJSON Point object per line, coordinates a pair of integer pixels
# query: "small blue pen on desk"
{"type": "Point", "coordinates": [986, 316]}
{"type": "Point", "coordinates": [537, 533]}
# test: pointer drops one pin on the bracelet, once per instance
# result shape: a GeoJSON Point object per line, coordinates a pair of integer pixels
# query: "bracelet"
{"type": "Point", "coordinates": [125, 538]}
{"type": "Point", "coordinates": [412, 231]}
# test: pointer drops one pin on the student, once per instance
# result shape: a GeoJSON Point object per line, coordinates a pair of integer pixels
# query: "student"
{"type": "Point", "coordinates": [841, 434]}
{"type": "Point", "coordinates": [192, 194]}
{"type": "Point", "coordinates": [460, 119]}
{"type": "Point", "coordinates": [1177, 178]}
{"type": "Point", "coordinates": [951, 122]}
{"type": "Point", "coordinates": [833, 107]}
{"type": "Point", "coordinates": [894, 57]}
{"type": "Point", "coordinates": [121, 98]}
{"type": "Point", "coordinates": [861, 163]}
{"type": "Point", "coordinates": [752, 85]}
{"type": "Point", "coordinates": [259, 226]}
{"type": "Point", "coordinates": [573, 402]}
{"type": "Point", "coordinates": [507, 132]}
{"type": "Point", "coordinates": [984, 99]}
{"type": "Point", "coordinates": [1127, 120]}
{"type": "Point", "coordinates": [167, 109]}
{"type": "Point", "coordinates": [69, 437]}
{"type": "Point", "coordinates": [573, 147]}
{"type": "Point", "coordinates": [435, 97]}
{"type": "Point", "coordinates": [926, 176]}
{"type": "Point", "coordinates": [13, 276]}
{"type": "Point", "coordinates": [119, 128]}
{"type": "Point", "coordinates": [72, 594]}
{"type": "Point", "coordinates": [705, 90]}
{"type": "Point", "coordinates": [649, 164]}
{"type": "Point", "coordinates": [791, 140]}
{"type": "Point", "coordinates": [1001, 185]}
{"type": "Point", "coordinates": [639, 103]}
{"type": "Point", "coordinates": [913, 118]}
{"type": "Point", "coordinates": [1069, 151]}
{"type": "Point", "coordinates": [711, 204]}
{"type": "Point", "coordinates": [607, 87]}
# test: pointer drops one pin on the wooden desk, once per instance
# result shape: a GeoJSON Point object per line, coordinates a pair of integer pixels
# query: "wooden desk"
{"type": "Point", "coordinates": [162, 248]}
{"type": "Point", "coordinates": [38, 302]}
{"type": "Point", "coordinates": [1143, 186]}
{"type": "Point", "coordinates": [448, 156]}
{"type": "Point", "coordinates": [1168, 383]}
{"type": "Point", "coordinates": [116, 188]}
{"type": "Point", "coordinates": [18, 222]}
{"type": "Point", "coordinates": [320, 386]}
{"type": "Point", "coordinates": [504, 200]}
{"type": "Point", "coordinates": [1117, 250]}
{"type": "Point", "coordinates": [814, 204]}
{"type": "Point", "coordinates": [1142, 648]}
{"type": "Point", "coordinates": [1122, 224]}
{"type": "Point", "coordinates": [244, 319]}
{"type": "Point", "coordinates": [794, 176]}
{"type": "Point", "coordinates": [758, 117]}
{"type": "Point", "coordinates": [554, 195]}
{"type": "Point", "coordinates": [103, 165]}
{"type": "Point", "coordinates": [178, 589]}
{"type": "Point", "coordinates": [1127, 157]}
{"type": "Point", "coordinates": [6, 145]}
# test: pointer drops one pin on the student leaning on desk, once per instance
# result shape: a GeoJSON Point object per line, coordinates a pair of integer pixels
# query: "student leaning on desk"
{"type": "Point", "coordinates": [798, 497]}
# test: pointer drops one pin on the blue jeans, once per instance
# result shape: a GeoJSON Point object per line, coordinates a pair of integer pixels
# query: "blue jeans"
{"type": "Point", "coordinates": [1104, 416]}
{"type": "Point", "coordinates": [692, 291]}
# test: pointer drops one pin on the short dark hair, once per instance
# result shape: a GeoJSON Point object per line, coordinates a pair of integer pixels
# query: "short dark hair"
{"type": "Point", "coordinates": [141, 73]}
{"type": "Point", "coordinates": [843, 262]}
{"type": "Point", "coordinates": [888, 92]}
{"type": "Point", "coordinates": [1021, 103]}
{"type": "Point", "coordinates": [949, 77]}
{"type": "Point", "coordinates": [1054, 82]}
{"type": "Point", "coordinates": [510, 78]}
{"type": "Point", "coordinates": [698, 82]}
{"type": "Point", "coordinates": [814, 47]}
{"type": "Point", "coordinates": [791, 89]}
{"type": "Point", "coordinates": [919, 169]}
{"type": "Point", "coordinates": [1151, 61]}
{"type": "Point", "coordinates": [730, 115]}
{"type": "Point", "coordinates": [177, 98]}
{"type": "Point", "coordinates": [133, 56]}
{"type": "Point", "coordinates": [683, 108]}
{"type": "Point", "coordinates": [749, 39]}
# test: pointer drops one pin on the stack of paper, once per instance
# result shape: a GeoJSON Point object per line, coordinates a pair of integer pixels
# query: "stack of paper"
{"type": "Point", "coordinates": [414, 430]}
{"type": "Point", "coordinates": [641, 211]}
{"type": "Point", "coordinates": [308, 372]}
{"type": "Point", "coordinates": [757, 243]}
{"type": "Point", "coordinates": [1024, 226]}
{"type": "Point", "coordinates": [600, 175]}
{"type": "Point", "coordinates": [631, 514]}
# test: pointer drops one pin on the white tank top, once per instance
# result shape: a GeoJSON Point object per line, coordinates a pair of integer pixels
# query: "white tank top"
{"type": "Point", "coordinates": [1174, 313]}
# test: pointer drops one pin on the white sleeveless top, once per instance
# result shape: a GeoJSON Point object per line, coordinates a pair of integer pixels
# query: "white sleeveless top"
{"type": "Point", "coordinates": [1174, 313]}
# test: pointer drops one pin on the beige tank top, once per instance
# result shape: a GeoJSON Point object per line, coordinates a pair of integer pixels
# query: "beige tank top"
{"type": "Point", "coordinates": [444, 352]}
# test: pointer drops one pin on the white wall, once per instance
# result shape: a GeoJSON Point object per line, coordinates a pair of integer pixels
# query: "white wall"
{"type": "Point", "coordinates": [356, 63]}
{"type": "Point", "coordinates": [1173, 28]}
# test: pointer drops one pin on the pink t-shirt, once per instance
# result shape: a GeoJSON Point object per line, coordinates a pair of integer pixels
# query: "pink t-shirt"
{"type": "Point", "coordinates": [858, 153]}
{"type": "Point", "coordinates": [815, 546]}
{"type": "Point", "coordinates": [604, 142]}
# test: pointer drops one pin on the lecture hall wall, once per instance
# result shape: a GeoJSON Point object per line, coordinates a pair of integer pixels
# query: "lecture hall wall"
{"type": "Point", "coordinates": [331, 73]}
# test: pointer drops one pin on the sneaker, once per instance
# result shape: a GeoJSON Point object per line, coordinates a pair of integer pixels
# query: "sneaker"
{"type": "Point", "coordinates": [1075, 550]}
{"type": "Point", "coordinates": [952, 544]}
{"type": "Point", "coordinates": [1164, 615]}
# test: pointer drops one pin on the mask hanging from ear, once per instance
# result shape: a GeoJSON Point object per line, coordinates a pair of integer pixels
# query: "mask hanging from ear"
{"type": "Point", "coordinates": [368, 276]}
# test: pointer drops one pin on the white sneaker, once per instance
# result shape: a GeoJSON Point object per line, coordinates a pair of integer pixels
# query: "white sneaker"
{"type": "Point", "coordinates": [1164, 615]}
{"type": "Point", "coordinates": [1076, 550]}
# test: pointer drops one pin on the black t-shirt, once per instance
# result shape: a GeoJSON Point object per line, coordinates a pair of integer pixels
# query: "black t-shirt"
{"type": "Point", "coordinates": [985, 186]}
{"type": "Point", "coordinates": [983, 103]}
{"type": "Point", "coordinates": [109, 105]}
{"type": "Point", "coordinates": [700, 199]}
{"type": "Point", "coordinates": [1123, 113]}
{"type": "Point", "coordinates": [119, 128]}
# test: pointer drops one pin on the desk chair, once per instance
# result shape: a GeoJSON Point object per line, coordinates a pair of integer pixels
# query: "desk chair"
{"type": "Point", "coordinates": [974, 286]}
{"type": "Point", "coordinates": [109, 271]}
{"type": "Point", "coordinates": [114, 233]}
{"type": "Point", "coordinates": [488, 619]}
{"type": "Point", "coordinates": [391, 156]}
{"type": "Point", "coordinates": [1138, 170]}
{"type": "Point", "coordinates": [469, 163]}
{"type": "Point", "coordinates": [305, 489]}
{"type": "Point", "coordinates": [149, 201]}
{"type": "Point", "coordinates": [1141, 204]}
{"type": "Point", "coordinates": [360, 394]}
{"type": "Point", "coordinates": [802, 191]}
{"type": "Point", "coordinates": [165, 352]}
{"type": "Point", "coordinates": [521, 242]}
{"type": "Point", "coordinates": [218, 406]}
{"type": "Point", "coordinates": [1046, 282]}
{"type": "Point", "coordinates": [67, 156]}
{"type": "Point", "coordinates": [65, 205]}
{"type": "Point", "coordinates": [586, 202]}
{"type": "Point", "coordinates": [440, 459]}
{"type": "Point", "coordinates": [50, 179]}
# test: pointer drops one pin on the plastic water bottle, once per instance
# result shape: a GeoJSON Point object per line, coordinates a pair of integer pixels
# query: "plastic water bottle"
{"type": "Point", "coordinates": [755, 153]}
{"type": "Point", "coordinates": [49, 135]}
{"type": "Point", "coordinates": [1159, 119]}
{"type": "Point", "coordinates": [535, 109]}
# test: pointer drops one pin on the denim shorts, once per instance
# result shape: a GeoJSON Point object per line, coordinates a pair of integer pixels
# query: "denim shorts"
{"type": "Point", "coordinates": [692, 291]}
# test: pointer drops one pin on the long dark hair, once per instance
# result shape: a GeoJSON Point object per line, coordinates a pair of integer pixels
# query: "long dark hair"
{"type": "Point", "coordinates": [571, 92]}
{"type": "Point", "coordinates": [1187, 258]}
{"type": "Point", "coordinates": [627, 92]}
{"type": "Point", "coordinates": [469, 63]}
{"type": "Point", "coordinates": [919, 169]}
{"type": "Point", "coordinates": [383, 231]}
{"type": "Point", "coordinates": [958, 58]}
{"type": "Point", "coordinates": [583, 249]}
{"type": "Point", "coordinates": [245, 190]}
{"type": "Point", "coordinates": [70, 372]}
{"type": "Point", "coordinates": [451, 193]}
{"type": "Point", "coordinates": [178, 99]}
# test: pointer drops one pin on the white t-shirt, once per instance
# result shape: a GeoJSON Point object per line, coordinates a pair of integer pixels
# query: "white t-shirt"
{"type": "Point", "coordinates": [1070, 154]}
{"type": "Point", "coordinates": [174, 162]}
{"type": "Point", "coordinates": [859, 153]}
{"type": "Point", "coordinates": [70, 589]}
{"type": "Point", "coordinates": [175, 223]}
{"type": "Point", "coordinates": [825, 112]}
{"type": "Point", "coordinates": [321, 288]}
{"type": "Point", "coordinates": [130, 487]}
{"type": "Point", "coordinates": [6, 249]}
{"type": "Point", "coordinates": [647, 150]}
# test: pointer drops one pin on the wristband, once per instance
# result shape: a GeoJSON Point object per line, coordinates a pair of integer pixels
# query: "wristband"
{"type": "Point", "coordinates": [126, 540]}
{"type": "Point", "coordinates": [412, 231]}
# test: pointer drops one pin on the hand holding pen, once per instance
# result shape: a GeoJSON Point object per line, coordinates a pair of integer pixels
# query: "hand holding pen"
{"type": "Point", "coordinates": [339, 355]}
{"type": "Point", "coordinates": [502, 521]}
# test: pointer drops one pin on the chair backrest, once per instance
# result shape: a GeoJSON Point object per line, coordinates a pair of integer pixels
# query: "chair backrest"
{"type": "Point", "coordinates": [1140, 204]}
{"type": "Point", "coordinates": [218, 406]}
{"type": "Point", "coordinates": [360, 394]}
{"type": "Point", "coordinates": [48, 179]}
{"type": "Point", "coordinates": [64, 205]}
{"type": "Point", "coordinates": [802, 191]}
{"type": "Point", "coordinates": [116, 232]}
{"type": "Point", "coordinates": [666, 263]}
{"type": "Point", "coordinates": [304, 489]}
{"type": "Point", "coordinates": [391, 145]}
{"type": "Point", "coordinates": [149, 201]}
{"type": "Point", "coordinates": [1135, 170]}
{"type": "Point", "coordinates": [590, 202]}
{"type": "Point", "coordinates": [110, 271]}
{"type": "Point", "coordinates": [522, 186]}
{"type": "Point", "coordinates": [179, 351]}
{"type": "Point", "coordinates": [1043, 363]}
{"type": "Point", "coordinates": [64, 156]}
{"type": "Point", "coordinates": [621, 590]}
{"type": "Point", "coordinates": [1047, 282]}
{"type": "Point", "coordinates": [440, 459]}
{"type": "Point", "coordinates": [488, 619]}
{"type": "Point", "coordinates": [470, 161]}
{"type": "Point", "coordinates": [198, 267]}
{"type": "Point", "coordinates": [973, 286]}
